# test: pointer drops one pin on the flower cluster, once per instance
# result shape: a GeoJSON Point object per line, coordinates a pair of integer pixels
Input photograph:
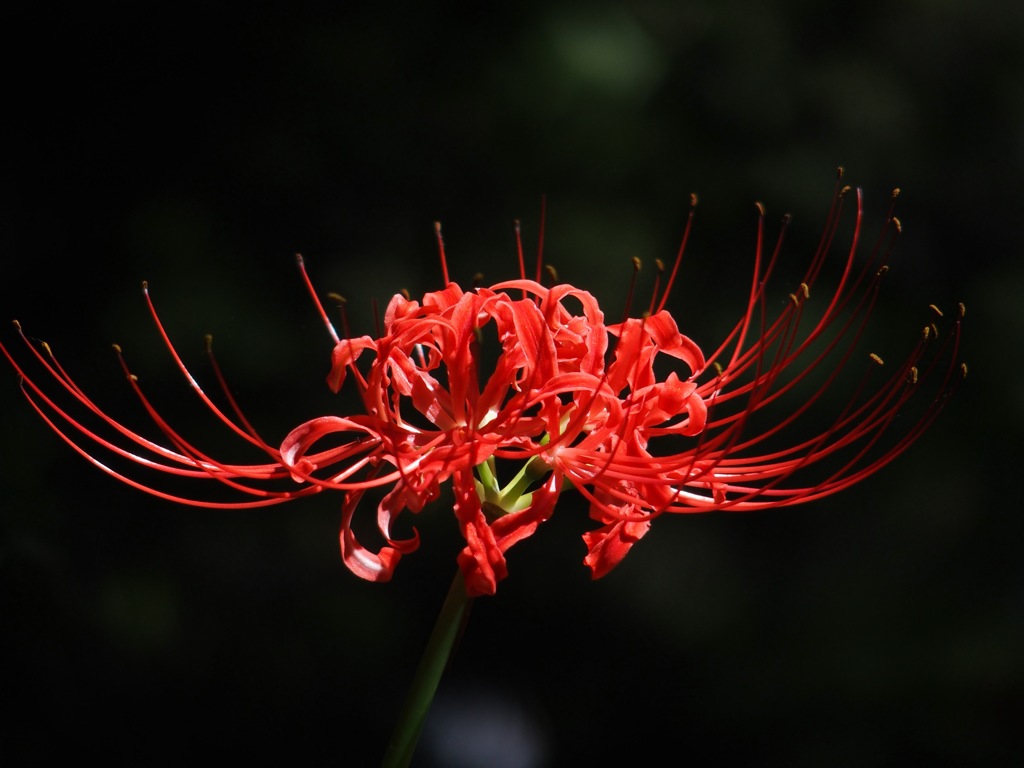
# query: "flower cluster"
{"type": "Point", "coordinates": [631, 414]}
{"type": "Point", "coordinates": [551, 403]}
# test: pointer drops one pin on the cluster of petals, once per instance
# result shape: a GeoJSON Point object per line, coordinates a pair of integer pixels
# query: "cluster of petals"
{"type": "Point", "coordinates": [548, 399]}
{"type": "Point", "coordinates": [461, 385]}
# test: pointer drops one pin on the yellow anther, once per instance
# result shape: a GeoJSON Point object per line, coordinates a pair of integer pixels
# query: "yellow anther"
{"type": "Point", "coordinates": [926, 333]}
{"type": "Point", "coordinates": [552, 272]}
{"type": "Point", "coordinates": [717, 366]}
{"type": "Point", "coordinates": [963, 370]}
{"type": "Point", "coordinates": [936, 310]}
{"type": "Point", "coordinates": [337, 298]}
{"type": "Point", "coordinates": [693, 199]}
{"type": "Point", "coordinates": [839, 172]}
{"type": "Point", "coordinates": [46, 349]}
{"type": "Point", "coordinates": [760, 208]}
{"type": "Point", "coordinates": [913, 375]}
{"type": "Point", "coordinates": [961, 309]}
{"type": "Point", "coordinates": [896, 223]}
{"type": "Point", "coordinates": [660, 265]}
{"type": "Point", "coordinates": [935, 330]}
{"type": "Point", "coordinates": [877, 359]}
{"type": "Point", "coordinates": [895, 193]}
{"type": "Point", "coordinates": [17, 326]}
{"type": "Point", "coordinates": [882, 270]}
{"type": "Point", "coordinates": [405, 294]}
{"type": "Point", "coordinates": [636, 263]}
{"type": "Point", "coordinates": [117, 348]}
{"type": "Point", "coordinates": [805, 290]}
{"type": "Point", "coordinates": [845, 191]}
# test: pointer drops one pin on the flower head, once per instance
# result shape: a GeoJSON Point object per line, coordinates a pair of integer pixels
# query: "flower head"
{"type": "Point", "coordinates": [633, 415]}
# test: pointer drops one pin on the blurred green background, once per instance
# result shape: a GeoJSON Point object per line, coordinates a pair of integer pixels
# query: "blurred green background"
{"type": "Point", "coordinates": [200, 151]}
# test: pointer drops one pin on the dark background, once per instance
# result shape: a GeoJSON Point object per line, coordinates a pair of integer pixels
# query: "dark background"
{"type": "Point", "coordinates": [201, 152]}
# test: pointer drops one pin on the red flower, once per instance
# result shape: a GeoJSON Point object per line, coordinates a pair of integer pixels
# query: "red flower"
{"type": "Point", "coordinates": [435, 417]}
{"type": "Point", "coordinates": [570, 402]}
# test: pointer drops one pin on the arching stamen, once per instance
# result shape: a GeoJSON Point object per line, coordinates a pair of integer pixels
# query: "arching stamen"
{"type": "Point", "coordinates": [682, 249]}
{"type": "Point", "coordinates": [440, 253]}
{"type": "Point", "coordinates": [540, 236]}
{"type": "Point", "coordinates": [342, 304]}
{"type": "Point", "coordinates": [632, 289]}
{"type": "Point", "coordinates": [316, 301]}
{"type": "Point", "coordinates": [375, 311]}
{"type": "Point", "coordinates": [657, 282]}
{"type": "Point", "coordinates": [519, 252]}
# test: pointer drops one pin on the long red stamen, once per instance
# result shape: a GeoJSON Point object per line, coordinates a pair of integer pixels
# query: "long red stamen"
{"type": "Point", "coordinates": [316, 301]}
{"type": "Point", "coordinates": [519, 253]}
{"type": "Point", "coordinates": [440, 253]}
{"type": "Point", "coordinates": [632, 289]}
{"type": "Point", "coordinates": [679, 256]}
{"type": "Point", "coordinates": [540, 238]}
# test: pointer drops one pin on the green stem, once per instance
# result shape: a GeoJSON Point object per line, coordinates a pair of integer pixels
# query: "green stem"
{"type": "Point", "coordinates": [428, 675]}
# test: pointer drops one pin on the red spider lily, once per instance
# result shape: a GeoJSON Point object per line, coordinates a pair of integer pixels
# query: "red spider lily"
{"type": "Point", "coordinates": [571, 402]}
